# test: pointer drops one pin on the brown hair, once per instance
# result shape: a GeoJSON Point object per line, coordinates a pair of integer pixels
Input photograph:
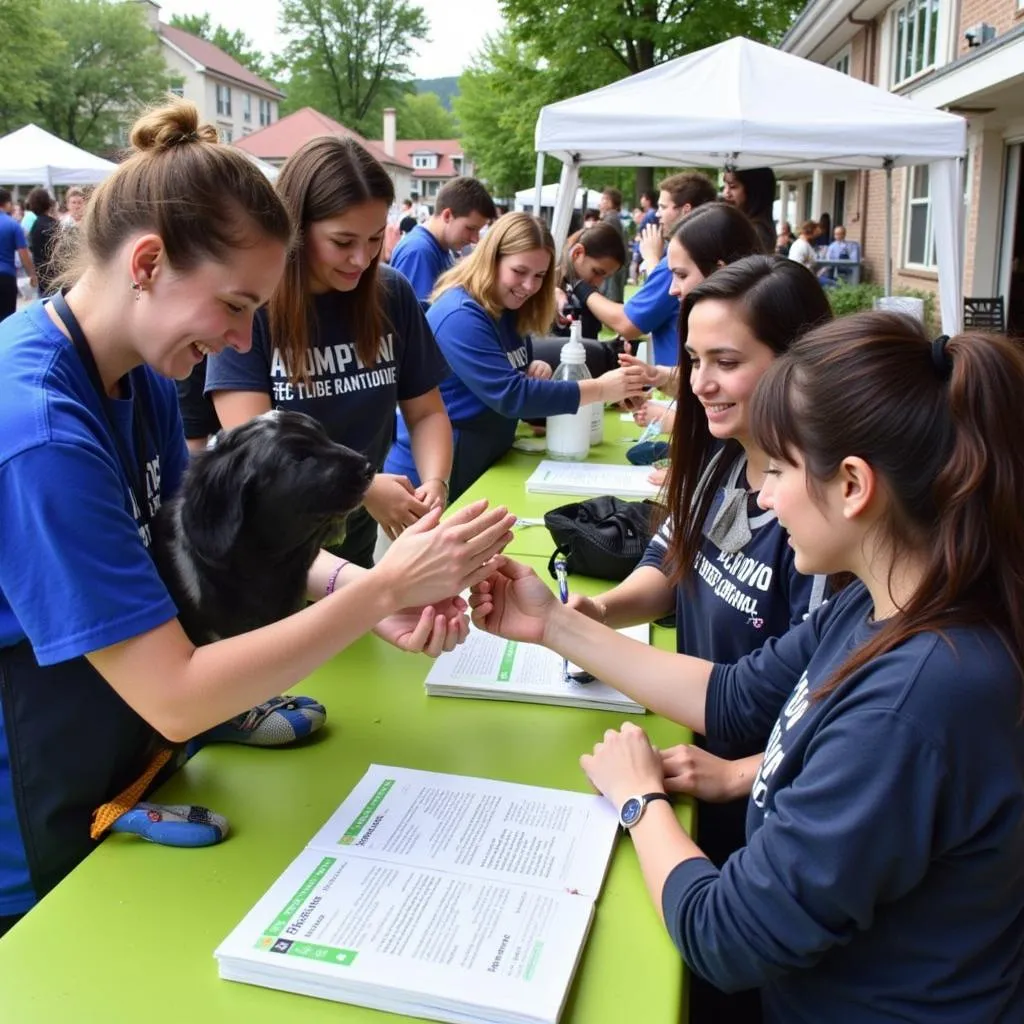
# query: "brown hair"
{"type": "Point", "coordinates": [614, 196]}
{"type": "Point", "coordinates": [716, 233]}
{"type": "Point", "coordinates": [478, 273]}
{"type": "Point", "coordinates": [322, 179]}
{"type": "Point", "coordinates": [203, 199]}
{"type": "Point", "coordinates": [39, 201]}
{"type": "Point", "coordinates": [940, 424]}
{"type": "Point", "coordinates": [689, 187]}
{"type": "Point", "coordinates": [809, 227]}
{"type": "Point", "coordinates": [779, 300]}
{"type": "Point", "coordinates": [464, 196]}
{"type": "Point", "coordinates": [599, 241]}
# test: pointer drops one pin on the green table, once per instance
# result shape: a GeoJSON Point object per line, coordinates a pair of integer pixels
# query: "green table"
{"type": "Point", "coordinates": [505, 484]}
{"type": "Point", "coordinates": [129, 935]}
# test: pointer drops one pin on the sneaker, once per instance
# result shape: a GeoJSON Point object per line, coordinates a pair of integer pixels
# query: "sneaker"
{"type": "Point", "coordinates": [173, 824]}
{"type": "Point", "coordinates": [278, 721]}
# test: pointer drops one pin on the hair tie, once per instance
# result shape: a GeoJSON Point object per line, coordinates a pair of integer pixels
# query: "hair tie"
{"type": "Point", "coordinates": [941, 360]}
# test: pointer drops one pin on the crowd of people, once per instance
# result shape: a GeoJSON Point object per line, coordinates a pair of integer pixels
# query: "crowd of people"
{"type": "Point", "coordinates": [839, 540]}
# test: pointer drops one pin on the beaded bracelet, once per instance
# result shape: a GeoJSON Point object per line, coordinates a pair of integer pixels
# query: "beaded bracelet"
{"type": "Point", "coordinates": [333, 578]}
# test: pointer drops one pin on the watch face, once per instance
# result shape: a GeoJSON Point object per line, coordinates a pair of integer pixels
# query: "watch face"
{"type": "Point", "coordinates": [631, 811]}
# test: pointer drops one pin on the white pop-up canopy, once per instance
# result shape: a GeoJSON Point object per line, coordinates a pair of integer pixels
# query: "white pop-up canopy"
{"type": "Point", "coordinates": [527, 197]}
{"type": "Point", "coordinates": [32, 156]}
{"type": "Point", "coordinates": [743, 104]}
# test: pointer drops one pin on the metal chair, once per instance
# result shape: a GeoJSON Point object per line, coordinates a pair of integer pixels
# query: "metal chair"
{"type": "Point", "coordinates": [985, 314]}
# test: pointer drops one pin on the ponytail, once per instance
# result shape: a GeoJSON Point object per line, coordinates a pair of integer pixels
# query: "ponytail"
{"type": "Point", "coordinates": [940, 422]}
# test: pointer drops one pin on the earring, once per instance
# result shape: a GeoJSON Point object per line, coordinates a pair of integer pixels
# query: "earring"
{"type": "Point", "coordinates": [137, 289]}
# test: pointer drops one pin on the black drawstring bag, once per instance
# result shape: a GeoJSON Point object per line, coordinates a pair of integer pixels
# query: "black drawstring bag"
{"type": "Point", "coordinates": [603, 537]}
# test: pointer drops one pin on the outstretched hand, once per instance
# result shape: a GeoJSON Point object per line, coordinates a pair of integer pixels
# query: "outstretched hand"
{"type": "Point", "coordinates": [430, 630]}
{"type": "Point", "coordinates": [513, 602]}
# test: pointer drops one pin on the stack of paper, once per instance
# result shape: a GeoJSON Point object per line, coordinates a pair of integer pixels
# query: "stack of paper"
{"type": "Point", "coordinates": [437, 896]}
{"type": "Point", "coordinates": [491, 668]}
{"type": "Point", "coordinates": [591, 478]}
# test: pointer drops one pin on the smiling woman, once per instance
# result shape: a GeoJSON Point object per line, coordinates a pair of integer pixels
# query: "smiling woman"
{"type": "Point", "coordinates": [483, 313]}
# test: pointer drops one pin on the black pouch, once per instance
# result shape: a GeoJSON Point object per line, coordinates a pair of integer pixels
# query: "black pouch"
{"type": "Point", "coordinates": [603, 537]}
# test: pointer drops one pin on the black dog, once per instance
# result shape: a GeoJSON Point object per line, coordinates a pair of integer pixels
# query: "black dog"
{"type": "Point", "coordinates": [236, 543]}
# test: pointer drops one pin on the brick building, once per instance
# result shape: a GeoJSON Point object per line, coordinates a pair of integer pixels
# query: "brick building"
{"type": "Point", "coordinates": [966, 56]}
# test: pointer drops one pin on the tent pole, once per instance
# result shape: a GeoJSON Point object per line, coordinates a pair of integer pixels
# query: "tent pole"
{"type": "Point", "coordinates": [888, 226]}
{"type": "Point", "coordinates": [539, 186]}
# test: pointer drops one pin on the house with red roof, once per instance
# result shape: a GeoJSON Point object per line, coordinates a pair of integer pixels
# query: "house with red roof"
{"type": "Point", "coordinates": [275, 143]}
{"type": "Point", "coordinates": [227, 93]}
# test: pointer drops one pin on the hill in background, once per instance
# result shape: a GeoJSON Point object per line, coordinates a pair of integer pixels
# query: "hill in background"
{"type": "Point", "coordinates": [445, 88]}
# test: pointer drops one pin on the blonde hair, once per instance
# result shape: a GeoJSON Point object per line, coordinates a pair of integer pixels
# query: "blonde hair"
{"type": "Point", "coordinates": [478, 273]}
{"type": "Point", "coordinates": [202, 198]}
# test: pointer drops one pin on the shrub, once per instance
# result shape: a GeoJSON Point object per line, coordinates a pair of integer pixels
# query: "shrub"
{"type": "Point", "coordinates": [852, 298]}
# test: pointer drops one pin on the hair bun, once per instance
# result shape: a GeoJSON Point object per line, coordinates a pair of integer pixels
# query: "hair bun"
{"type": "Point", "coordinates": [173, 124]}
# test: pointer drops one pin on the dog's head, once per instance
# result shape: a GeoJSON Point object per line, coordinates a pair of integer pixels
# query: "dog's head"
{"type": "Point", "coordinates": [275, 484]}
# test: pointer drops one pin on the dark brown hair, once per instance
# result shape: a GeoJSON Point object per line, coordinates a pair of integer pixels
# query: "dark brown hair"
{"type": "Point", "coordinates": [39, 201]}
{"type": "Point", "coordinates": [599, 241]}
{"type": "Point", "coordinates": [941, 427]}
{"type": "Point", "coordinates": [202, 198]}
{"type": "Point", "coordinates": [322, 179]}
{"type": "Point", "coordinates": [614, 196]}
{"type": "Point", "coordinates": [779, 300]}
{"type": "Point", "coordinates": [464, 196]}
{"type": "Point", "coordinates": [716, 233]}
{"type": "Point", "coordinates": [690, 187]}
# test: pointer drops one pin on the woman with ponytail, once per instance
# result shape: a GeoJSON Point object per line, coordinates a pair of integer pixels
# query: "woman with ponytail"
{"type": "Point", "coordinates": [883, 876]}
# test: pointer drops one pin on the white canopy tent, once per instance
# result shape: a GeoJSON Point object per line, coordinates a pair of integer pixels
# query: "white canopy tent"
{"type": "Point", "coordinates": [32, 156]}
{"type": "Point", "coordinates": [269, 171]}
{"type": "Point", "coordinates": [744, 104]}
{"type": "Point", "coordinates": [527, 198]}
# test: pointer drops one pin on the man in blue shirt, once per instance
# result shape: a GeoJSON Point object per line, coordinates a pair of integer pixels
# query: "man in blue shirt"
{"type": "Point", "coordinates": [652, 310]}
{"type": "Point", "coordinates": [12, 240]}
{"type": "Point", "coordinates": [461, 209]}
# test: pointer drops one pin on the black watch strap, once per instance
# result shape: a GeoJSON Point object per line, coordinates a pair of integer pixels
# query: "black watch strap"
{"type": "Point", "coordinates": [648, 797]}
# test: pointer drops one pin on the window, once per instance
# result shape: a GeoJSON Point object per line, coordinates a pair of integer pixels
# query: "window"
{"type": "Point", "coordinates": [841, 63]}
{"type": "Point", "coordinates": [457, 160]}
{"type": "Point", "coordinates": [915, 29]}
{"type": "Point", "coordinates": [264, 113]}
{"type": "Point", "coordinates": [178, 86]}
{"type": "Point", "coordinates": [425, 162]}
{"type": "Point", "coordinates": [224, 100]}
{"type": "Point", "coordinates": [247, 108]}
{"type": "Point", "coordinates": [838, 203]}
{"type": "Point", "coordinates": [920, 247]}
{"type": "Point", "coordinates": [227, 135]}
{"type": "Point", "coordinates": [808, 200]}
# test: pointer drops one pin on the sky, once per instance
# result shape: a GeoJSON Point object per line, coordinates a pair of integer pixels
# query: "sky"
{"type": "Point", "coordinates": [454, 37]}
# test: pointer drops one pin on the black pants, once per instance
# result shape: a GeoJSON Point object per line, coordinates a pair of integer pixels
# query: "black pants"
{"type": "Point", "coordinates": [8, 295]}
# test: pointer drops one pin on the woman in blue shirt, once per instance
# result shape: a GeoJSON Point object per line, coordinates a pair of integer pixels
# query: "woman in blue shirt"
{"type": "Point", "coordinates": [97, 676]}
{"type": "Point", "coordinates": [883, 876]}
{"type": "Point", "coordinates": [344, 340]}
{"type": "Point", "coordinates": [483, 312]}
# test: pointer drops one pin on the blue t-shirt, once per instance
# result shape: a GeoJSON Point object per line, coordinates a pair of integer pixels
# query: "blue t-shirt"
{"type": "Point", "coordinates": [355, 403]}
{"type": "Point", "coordinates": [12, 238]}
{"type": "Point", "coordinates": [75, 577]}
{"type": "Point", "coordinates": [883, 876]}
{"type": "Point", "coordinates": [421, 260]}
{"type": "Point", "coordinates": [487, 363]}
{"type": "Point", "coordinates": [653, 311]}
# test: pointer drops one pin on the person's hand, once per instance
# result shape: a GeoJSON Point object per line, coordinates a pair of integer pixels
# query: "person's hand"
{"type": "Point", "coordinates": [688, 769]}
{"type": "Point", "coordinates": [589, 606]}
{"type": "Point", "coordinates": [624, 383]}
{"type": "Point", "coordinates": [513, 602]}
{"type": "Point", "coordinates": [432, 561]}
{"type": "Point", "coordinates": [624, 764]}
{"type": "Point", "coordinates": [657, 476]}
{"type": "Point", "coordinates": [431, 630]}
{"type": "Point", "coordinates": [433, 493]}
{"type": "Point", "coordinates": [655, 376]}
{"type": "Point", "coordinates": [652, 244]}
{"type": "Point", "coordinates": [539, 370]}
{"type": "Point", "coordinates": [392, 501]}
{"type": "Point", "coordinates": [561, 301]}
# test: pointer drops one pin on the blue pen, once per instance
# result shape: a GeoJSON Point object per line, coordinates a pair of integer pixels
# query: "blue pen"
{"type": "Point", "coordinates": [562, 575]}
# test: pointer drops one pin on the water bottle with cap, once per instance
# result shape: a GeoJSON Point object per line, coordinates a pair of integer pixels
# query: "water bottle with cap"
{"type": "Point", "coordinates": [568, 435]}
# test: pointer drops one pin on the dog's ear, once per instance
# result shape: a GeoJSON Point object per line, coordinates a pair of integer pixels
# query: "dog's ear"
{"type": "Point", "coordinates": [215, 493]}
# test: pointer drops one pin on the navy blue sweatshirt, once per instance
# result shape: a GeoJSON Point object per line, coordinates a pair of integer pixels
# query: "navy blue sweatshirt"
{"type": "Point", "coordinates": [883, 877]}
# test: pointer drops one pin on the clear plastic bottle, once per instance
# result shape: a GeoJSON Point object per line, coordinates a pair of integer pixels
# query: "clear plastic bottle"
{"type": "Point", "coordinates": [568, 435]}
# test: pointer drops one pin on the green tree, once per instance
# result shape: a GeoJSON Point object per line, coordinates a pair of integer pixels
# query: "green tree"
{"type": "Point", "coordinates": [108, 68]}
{"type": "Point", "coordinates": [500, 95]}
{"type": "Point", "coordinates": [349, 58]}
{"type": "Point", "coordinates": [605, 40]}
{"type": "Point", "coordinates": [236, 44]}
{"type": "Point", "coordinates": [421, 116]}
{"type": "Point", "coordinates": [21, 85]}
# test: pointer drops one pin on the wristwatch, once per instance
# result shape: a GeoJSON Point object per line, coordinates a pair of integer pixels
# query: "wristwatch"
{"type": "Point", "coordinates": [633, 809]}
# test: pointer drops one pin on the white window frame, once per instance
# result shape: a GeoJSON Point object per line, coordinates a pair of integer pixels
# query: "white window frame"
{"type": "Point", "coordinates": [265, 112]}
{"type": "Point", "coordinates": [247, 107]}
{"type": "Point", "coordinates": [223, 100]}
{"type": "Point", "coordinates": [841, 61]}
{"type": "Point", "coordinates": [425, 162]}
{"type": "Point", "coordinates": [929, 231]}
{"type": "Point", "coordinates": [923, 58]}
